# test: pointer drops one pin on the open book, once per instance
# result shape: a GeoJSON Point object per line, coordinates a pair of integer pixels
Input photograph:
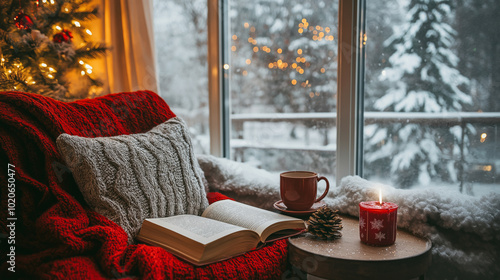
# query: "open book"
{"type": "Point", "coordinates": [225, 229]}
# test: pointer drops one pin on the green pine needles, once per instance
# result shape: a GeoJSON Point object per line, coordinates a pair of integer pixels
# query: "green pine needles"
{"type": "Point", "coordinates": [45, 48]}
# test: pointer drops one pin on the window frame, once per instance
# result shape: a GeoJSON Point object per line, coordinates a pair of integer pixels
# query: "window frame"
{"type": "Point", "coordinates": [349, 84]}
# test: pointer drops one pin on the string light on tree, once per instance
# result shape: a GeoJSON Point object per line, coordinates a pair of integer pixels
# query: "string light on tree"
{"type": "Point", "coordinates": [283, 59]}
{"type": "Point", "coordinates": [42, 57]}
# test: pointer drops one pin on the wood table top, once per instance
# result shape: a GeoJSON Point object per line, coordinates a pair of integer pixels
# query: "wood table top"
{"type": "Point", "coordinates": [407, 258]}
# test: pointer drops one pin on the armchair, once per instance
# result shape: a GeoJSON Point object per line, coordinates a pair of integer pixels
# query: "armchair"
{"type": "Point", "coordinates": [56, 234]}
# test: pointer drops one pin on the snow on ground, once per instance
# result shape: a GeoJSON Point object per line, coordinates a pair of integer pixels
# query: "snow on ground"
{"type": "Point", "coordinates": [471, 189]}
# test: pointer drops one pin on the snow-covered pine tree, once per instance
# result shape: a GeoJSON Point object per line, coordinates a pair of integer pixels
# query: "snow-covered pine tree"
{"type": "Point", "coordinates": [45, 48]}
{"type": "Point", "coordinates": [423, 77]}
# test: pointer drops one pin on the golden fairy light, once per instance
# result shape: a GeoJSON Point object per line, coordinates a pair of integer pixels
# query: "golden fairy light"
{"type": "Point", "coordinates": [226, 66]}
{"type": "Point", "coordinates": [234, 37]}
{"type": "Point", "coordinates": [483, 137]}
{"type": "Point", "coordinates": [77, 24]}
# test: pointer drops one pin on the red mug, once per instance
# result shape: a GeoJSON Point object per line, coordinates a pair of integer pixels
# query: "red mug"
{"type": "Point", "coordinates": [298, 189]}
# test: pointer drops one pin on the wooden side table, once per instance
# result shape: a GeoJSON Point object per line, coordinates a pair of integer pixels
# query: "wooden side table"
{"type": "Point", "coordinates": [348, 258]}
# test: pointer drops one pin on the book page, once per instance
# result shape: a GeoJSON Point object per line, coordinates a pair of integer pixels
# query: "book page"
{"type": "Point", "coordinates": [197, 228]}
{"type": "Point", "coordinates": [243, 215]}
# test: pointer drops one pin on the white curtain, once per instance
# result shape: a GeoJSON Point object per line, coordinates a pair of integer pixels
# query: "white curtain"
{"type": "Point", "coordinates": [127, 27]}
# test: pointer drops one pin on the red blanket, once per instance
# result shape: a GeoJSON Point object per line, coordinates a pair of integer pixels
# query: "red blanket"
{"type": "Point", "coordinates": [56, 235]}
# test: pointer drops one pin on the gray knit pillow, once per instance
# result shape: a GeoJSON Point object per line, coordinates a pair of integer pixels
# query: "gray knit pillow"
{"type": "Point", "coordinates": [129, 178]}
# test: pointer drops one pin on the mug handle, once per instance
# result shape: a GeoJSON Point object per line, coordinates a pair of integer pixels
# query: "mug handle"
{"type": "Point", "coordinates": [326, 190]}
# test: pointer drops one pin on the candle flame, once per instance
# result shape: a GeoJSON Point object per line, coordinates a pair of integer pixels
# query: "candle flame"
{"type": "Point", "coordinates": [380, 196]}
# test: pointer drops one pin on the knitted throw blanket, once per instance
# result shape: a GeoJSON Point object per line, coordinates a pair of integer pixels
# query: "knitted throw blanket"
{"type": "Point", "coordinates": [56, 235]}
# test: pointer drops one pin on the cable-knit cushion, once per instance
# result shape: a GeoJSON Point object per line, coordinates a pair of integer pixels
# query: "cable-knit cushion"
{"type": "Point", "coordinates": [129, 178]}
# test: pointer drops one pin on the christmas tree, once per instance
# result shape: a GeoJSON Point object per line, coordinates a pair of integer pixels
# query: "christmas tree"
{"type": "Point", "coordinates": [46, 49]}
{"type": "Point", "coordinates": [423, 77]}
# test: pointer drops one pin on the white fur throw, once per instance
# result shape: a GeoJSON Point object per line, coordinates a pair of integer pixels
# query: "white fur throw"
{"type": "Point", "coordinates": [464, 230]}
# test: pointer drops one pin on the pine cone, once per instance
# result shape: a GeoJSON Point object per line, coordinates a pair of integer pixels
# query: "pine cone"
{"type": "Point", "coordinates": [325, 223]}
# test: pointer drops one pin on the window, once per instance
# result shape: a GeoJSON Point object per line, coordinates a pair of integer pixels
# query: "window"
{"type": "Point", "coordinates": [181, 51]}
{"type": "Point", "coordinates": [421, 79]}
{"type": "Point", "coordinates": [431, 116]}
{"type": "Point", "coordinates": [281, 73]}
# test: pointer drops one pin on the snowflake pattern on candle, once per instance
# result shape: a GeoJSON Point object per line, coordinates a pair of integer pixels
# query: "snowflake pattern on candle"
{"type": "Point", "coordinates": [377, 224]}
{"type": "Point", "coordinates": [379, 235]}
{"type": "Point", "coordinates": [362, 222]}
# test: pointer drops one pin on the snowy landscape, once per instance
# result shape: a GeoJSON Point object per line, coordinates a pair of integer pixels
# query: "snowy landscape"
{"type": "Point", "coordinates": [431, 118]}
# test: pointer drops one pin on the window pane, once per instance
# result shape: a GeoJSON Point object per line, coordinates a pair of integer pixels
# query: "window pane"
{"type": "Point", "coordinates": [282, 79]}
{"type": "Point", "coordinates": [431, 116]}
{"type": "Point", "coordinates": [181, 51]}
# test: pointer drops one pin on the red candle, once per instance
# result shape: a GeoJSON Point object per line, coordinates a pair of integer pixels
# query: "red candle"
{"type": "Point", "coordinates": [377, 222]}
